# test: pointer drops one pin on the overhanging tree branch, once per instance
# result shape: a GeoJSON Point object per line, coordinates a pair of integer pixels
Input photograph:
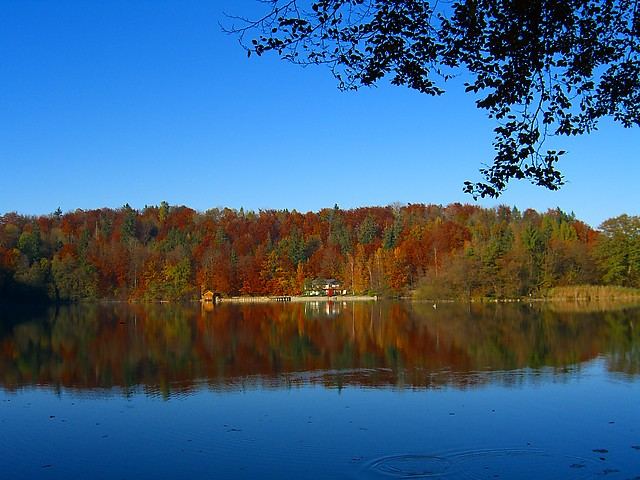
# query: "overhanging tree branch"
{"type": "Point", "coordinates": [537, 67]}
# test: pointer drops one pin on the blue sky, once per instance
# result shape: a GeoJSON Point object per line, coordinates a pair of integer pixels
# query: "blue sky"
{"type": "Point", "coordinates": [106, 103]}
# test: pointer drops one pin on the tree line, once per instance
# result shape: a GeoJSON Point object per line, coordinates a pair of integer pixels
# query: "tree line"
{"type": "Point", "coordinates": [168, 252]}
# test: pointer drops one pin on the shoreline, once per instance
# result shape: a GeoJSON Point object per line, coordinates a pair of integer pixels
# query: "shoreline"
{"type": "Point", "coordinates": [297, 299]}
{"type": "Point", "coordinates": [552, 299]}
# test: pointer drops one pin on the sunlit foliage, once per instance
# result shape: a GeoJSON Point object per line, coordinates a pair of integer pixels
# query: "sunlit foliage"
{"type": "Point", "coordinates": [173, 252]}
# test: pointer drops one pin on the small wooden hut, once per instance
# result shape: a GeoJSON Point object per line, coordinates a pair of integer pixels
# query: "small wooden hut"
{"type": "Point", "coordinates": [208, 297]}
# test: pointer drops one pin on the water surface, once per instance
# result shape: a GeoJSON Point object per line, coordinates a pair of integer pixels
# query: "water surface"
{"type": "Point", "coordinates": [320, 390]}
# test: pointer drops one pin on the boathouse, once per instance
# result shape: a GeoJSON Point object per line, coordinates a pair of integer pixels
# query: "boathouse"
{"type": "Point", "coordinates": [208, 296]}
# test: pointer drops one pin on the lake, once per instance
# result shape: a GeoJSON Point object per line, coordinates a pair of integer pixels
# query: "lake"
{"type": "Point", "coordinates": [369, 390]}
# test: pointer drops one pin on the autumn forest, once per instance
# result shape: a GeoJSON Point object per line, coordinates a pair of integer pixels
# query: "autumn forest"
{"type": "Point", "coordinates": [171, 252]}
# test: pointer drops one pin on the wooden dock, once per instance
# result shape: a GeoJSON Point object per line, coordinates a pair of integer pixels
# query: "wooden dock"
{"type": "Point", "coordinates": [294, 298]}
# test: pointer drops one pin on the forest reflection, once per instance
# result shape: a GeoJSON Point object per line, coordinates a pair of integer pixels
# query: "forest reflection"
{"type": "Point", "coordinates": [174, 349]}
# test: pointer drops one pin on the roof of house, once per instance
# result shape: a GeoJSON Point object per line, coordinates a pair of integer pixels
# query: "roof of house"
{"type": "Point", "coordinates": [325, 281]}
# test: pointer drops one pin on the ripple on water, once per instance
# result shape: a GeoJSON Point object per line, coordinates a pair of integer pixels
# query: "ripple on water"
{"type": "Point", "coordinates": [487, 464]}
{"type": "Point", "coordinates": [411, 466]}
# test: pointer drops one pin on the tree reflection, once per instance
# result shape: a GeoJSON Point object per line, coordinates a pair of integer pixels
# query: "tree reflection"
{"type": "Point", "coordinates": [168, 349]}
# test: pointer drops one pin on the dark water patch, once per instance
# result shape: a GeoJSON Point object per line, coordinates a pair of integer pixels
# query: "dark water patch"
{"type": "Point", "coordinates": [609, 471]}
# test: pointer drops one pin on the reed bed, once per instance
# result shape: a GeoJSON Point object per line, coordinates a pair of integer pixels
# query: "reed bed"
{"type": "Point", "coordinates": [592, 292]}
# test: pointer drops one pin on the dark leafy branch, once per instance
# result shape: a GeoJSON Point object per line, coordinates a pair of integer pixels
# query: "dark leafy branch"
{"type": "Point", "coordinates": [539, 68]}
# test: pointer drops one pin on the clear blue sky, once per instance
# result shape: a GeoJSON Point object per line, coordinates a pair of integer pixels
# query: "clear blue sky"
{"type": "Point", "coordinates": [106, 103]}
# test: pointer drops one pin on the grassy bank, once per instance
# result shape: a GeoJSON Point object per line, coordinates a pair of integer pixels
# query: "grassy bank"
{"type": "Point", "coordinates": [592, 292]}
{"type": "Point", "coordinates": [573, 293]}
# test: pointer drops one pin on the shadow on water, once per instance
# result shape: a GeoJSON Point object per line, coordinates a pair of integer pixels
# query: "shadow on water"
{"type": "Point", "coordinates": [173, 349]}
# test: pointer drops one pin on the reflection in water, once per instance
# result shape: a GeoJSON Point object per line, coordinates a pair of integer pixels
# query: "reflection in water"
{"type": "Point", "coordinates": [168, 349]}
{"type": "Point", "coordinates": [207, 394]}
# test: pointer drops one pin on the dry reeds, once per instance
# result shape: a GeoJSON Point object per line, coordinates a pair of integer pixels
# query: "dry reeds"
{"type": "Point", "coordinates": [592, 292]}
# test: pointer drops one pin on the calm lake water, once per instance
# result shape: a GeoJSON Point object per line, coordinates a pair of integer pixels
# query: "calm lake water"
{"type": "Point", "coordinates": [320, 390]}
